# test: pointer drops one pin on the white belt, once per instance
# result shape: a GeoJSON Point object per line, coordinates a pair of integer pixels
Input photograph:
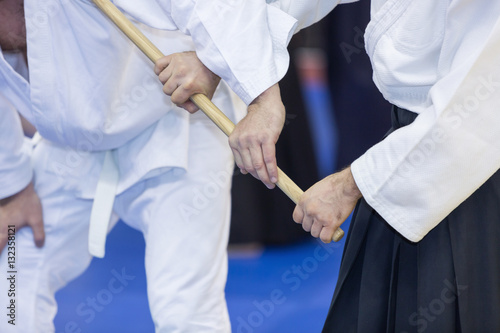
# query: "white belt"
{"type": "Point", "coordinates": [36, 139]}
{"type": "Point", "coordinates": [103, 202]}
{"type": "Point", "coordinates": [103, 206]}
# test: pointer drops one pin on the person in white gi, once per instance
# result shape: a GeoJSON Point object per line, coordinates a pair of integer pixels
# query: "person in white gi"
{"type": "Point", "coordinates": [422, 251]}
{"type": "Point", "coordinates": [97, 105]}
{"type": "Point", "coordinates": [175, 169]}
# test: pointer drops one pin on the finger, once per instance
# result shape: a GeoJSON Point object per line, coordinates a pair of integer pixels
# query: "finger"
{"type": "Point", "coordinates": [238, 160]}
{"type": "Point", "coordinates": [169, 87]}
{"type": "Point", "coordinates": [260, 167]}
{"type": "Point", "coordinates": [298, 214]}
{"type": "Point", "coordinates": [316, 229]}
{"type": "Point", "coordinates": [307, 223]}
{"type": "Point", "coordinates": [180, 95]}
{"type": "Point", "coordinates": [269, 154]}
{"type": "Point", "coordinates": [165, 75]}
{"type": "Point", "coordinates": [189, 107]}
{"type": "Point", "coordinates": [247, 162]}
{"type": "Point", "coordinates": [326, 234]}
{"type": "Point", "coordinates": [38, 232]}
{"type": "Point", "coordinates": [233, 143]}
{"type": "Point", "coordinates": [162, 63]}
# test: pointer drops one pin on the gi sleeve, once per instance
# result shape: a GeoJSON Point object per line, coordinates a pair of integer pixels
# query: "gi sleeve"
{"type": "Point", "coordinates": [15, 152]}
{"type": "Point", "coordinates": [244, 42]}
{"type": "Point", "coordinates": [420, 173]}
{"type": "Point", "coordinates": [307, 12]}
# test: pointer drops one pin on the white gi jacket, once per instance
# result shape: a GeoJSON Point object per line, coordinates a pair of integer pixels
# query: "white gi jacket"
{"type": "Point", "coordinates": [438, 58]}
{"type": "Point", "coordinates": [81, 97]}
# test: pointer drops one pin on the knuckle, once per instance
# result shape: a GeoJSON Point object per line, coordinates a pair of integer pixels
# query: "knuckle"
{"type": "Point", "coordinates": [258, 165]}
{"type": "Point", "coordinates": [312, 207]}
{"type": "Point", "coordinates": [182, 70]}
{"type": "Point", "coordinates": [248, 139]}
{"type": "Point", "coordinates": [163, 77]}
{"type": "Point", "coordinates": [233, 142]}
{"type": "Point", "coordinates": [176, 77]}
{"type": "Point", "coordinates": [189, 85]}
{"type": "Point", "coordinates": [161, 63]}
{"type": "Point", "coordinates": [268, 159]}
{"type": "Point", "coordinates": [183, 94]}
{"type": "Point", "coordinates": [176, 97]}
{"type": "Point", "coordinates": [263, 137]}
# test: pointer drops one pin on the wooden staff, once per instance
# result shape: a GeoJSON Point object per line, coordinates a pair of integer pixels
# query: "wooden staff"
{"type": "Point", "coordinates": [215, 114]}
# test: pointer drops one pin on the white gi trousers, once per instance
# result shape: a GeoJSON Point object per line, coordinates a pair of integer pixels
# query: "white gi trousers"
{"type": "Point", "coordinates": [184, 217]}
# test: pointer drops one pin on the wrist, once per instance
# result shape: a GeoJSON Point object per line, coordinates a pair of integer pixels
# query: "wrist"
{"type": "Point", "coordinates": [270, 95]}
{"type": "Point", "coordinates": [350, 188]}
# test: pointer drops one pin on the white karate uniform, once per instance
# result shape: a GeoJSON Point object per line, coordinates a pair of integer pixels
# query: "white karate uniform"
{"type": "Point", "coordinates": [91, 91]}
{"type": "Point", "coordinates": [436, 58]}
{"type": "Point", "coordinates": [175, 179]}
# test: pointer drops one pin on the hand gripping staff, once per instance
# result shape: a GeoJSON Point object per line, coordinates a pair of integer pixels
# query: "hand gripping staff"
{"type": "Point", "coordinates": [217, 116]}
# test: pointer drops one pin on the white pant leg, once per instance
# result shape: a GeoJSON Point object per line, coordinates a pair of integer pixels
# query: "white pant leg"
{"type": "Point", "coordinates": [185, 221]}
{"type": "Point", "coordinates": [41, 272]}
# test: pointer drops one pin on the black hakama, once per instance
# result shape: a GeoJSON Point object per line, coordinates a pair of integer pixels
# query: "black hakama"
{"type": "Point", "coordinates": [448, 282]}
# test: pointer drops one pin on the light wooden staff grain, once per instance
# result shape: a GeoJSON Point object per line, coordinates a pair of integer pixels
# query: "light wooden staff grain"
{"type": "Point", "coordinates": [213, 112]}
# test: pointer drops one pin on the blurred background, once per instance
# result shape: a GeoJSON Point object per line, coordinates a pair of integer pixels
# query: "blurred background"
{"type": "Point", "coordinates": [280, 278]}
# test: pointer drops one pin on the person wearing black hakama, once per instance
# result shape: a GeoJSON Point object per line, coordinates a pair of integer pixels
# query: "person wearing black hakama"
{"type": "Point", "coordinates": [448, 282]}
{"type": "Point", "coordinates": [422, 250]}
